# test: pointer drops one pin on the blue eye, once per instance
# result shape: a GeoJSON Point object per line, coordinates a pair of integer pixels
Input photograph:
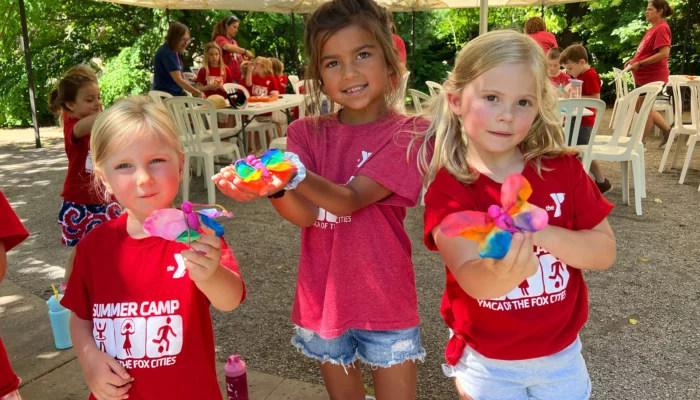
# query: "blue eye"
{"type": "Point", "coordinates": [364, 54]}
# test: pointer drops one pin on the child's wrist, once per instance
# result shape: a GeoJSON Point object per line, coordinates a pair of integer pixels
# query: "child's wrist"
{"type": "Point", "coordinates": [300, 173]}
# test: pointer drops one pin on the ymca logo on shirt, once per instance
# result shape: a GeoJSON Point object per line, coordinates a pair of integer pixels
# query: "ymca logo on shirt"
{"type": "Point", "coordinates": [139, 335]}
{"type": "Point", "coordinates": [326, 220]}
{"type": "Point", "coordinates": [547, 286]}
{"type": "Point", "coordinates": [558, 201]}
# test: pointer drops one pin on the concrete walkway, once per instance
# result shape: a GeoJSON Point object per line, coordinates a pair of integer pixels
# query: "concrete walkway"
{"type": "Point", "coordinates": [48, 373]}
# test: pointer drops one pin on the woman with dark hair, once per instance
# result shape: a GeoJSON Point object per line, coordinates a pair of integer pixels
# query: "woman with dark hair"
{"type": "Point", "coordinates": [650, 63]}
{"type": "Point", "coordinates": [167, 63]}
{"type": "Point", "coordinates": [223, 34]}
{"type": "Point", "coordinates": [537, 30]}
{"type": "Point", "coordinates": [398, 42]}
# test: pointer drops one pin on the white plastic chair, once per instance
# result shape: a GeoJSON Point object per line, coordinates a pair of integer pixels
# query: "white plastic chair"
{"type": "Point", "coordinates": [679, 128]}
{"type": "Point", "coordinates": [572, 110]}
{"type": "Point", "coordinates": [159, 96]}
{"type": "Point", "coordinates": [261, 128]}
{"type": "Point", "coordinates": [418, 99]}
{"type": "Point", "coordinates": [695, 115]}
{"type": "Point", "coordinates": [626, 153]}
{"type": "Point", "coordinates": [621, 90]}
{"type": "Point", "coordinates": [663, 104]}
{"type": "Point", "coordinates": [434, 88]}
{"type": "Point", "coordinates": [293, 79]}
{"type": "Point", "coordinates": [189, 115]}
{"type": "Point", "coordinates": [401, 100]}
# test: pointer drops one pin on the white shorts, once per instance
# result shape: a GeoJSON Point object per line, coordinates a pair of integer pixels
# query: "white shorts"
{"type": "Point", "coordinates": [560, 376]}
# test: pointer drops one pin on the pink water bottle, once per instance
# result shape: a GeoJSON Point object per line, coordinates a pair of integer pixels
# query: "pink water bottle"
{"type": "Point", "coordinates": [236, 381]}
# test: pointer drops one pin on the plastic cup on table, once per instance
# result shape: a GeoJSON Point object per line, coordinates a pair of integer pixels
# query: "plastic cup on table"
{"type": "Point", "coordinates": [576, 86]}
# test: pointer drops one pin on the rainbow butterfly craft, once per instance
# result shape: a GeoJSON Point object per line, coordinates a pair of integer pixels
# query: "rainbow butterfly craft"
{"type": "Point", "coordinates": [251, 169]}
{"type": "Point", "coordinates": [494, 229]}
{"type": "Point", "coordinates": [183, 225]}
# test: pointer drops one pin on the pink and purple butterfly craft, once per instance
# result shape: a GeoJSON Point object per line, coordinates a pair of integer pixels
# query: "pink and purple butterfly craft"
{"type": "Point", "coordinates": [184, 225]}
{"type": "Point", "coordinates": [494, 229]}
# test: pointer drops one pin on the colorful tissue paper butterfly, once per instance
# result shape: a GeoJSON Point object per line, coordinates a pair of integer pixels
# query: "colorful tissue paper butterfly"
{"type": "Point", "coordinates": [494, 229]}
{"type": "Point", "coordinates": [184, 225]}
{"type": "Point", "coordinates": [257, 173]}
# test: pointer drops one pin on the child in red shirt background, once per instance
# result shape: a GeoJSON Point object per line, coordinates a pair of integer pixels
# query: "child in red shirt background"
{"type": "Point", "coordinates": [514, 322]}
{"type": "Point", "coordinates": [77, 101]}
{"type": "Point", "coordinates": [278, 71]}
{"type": "Point", "coordinates": [214, 73]}
{"type": "Point", "coordinates": [558, 77]}
{"type": "Point", "coordinates": [575, 60]}
{"type": "Point", "coordinates": [141, 325]}
{"type": "Point", "coordinates": [11, 234]}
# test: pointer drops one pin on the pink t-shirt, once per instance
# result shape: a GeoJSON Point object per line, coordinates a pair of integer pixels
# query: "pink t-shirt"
{"type": "Point", "coordinates": [355, 271]}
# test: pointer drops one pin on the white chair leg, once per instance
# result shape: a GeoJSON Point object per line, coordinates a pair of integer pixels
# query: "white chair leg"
{"type": "Point", "coordinates": [186, 179]}
{"type": "Point", "coordinates": [624, 173]}
{"type": "Point", "coordinates": [199, 166]}
{"type": "Point", "coordinates": [211, 189]}
{"type": "Point", "coordinates": [667, 150]}
{"type": "Point", "coordinates": [688, 156]}
{"type": "Point", "coordinates": [637, 176]}
{"type": "Point", "coordinates": [677, 153]}
{"type": "Point", "coordinates": [642, 155]}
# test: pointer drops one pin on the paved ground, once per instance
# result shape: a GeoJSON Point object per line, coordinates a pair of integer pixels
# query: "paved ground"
{"type": "Point", "coordinates": [641, 342]}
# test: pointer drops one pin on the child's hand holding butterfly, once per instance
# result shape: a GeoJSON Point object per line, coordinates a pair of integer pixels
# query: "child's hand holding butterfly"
{"type": "Point", "coordinates": [233, 186]}
{"type": "Point", "coordinates": [205, 258]}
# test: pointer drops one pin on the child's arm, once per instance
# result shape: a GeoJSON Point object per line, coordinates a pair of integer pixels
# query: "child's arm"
{"type": "Point", "coordinates": [84, 126]}
{"type": "Point", "coordinates": [3, 260]}
{"type": "Point", "coordinates": [487, 278]}
{"type": "Point", "coordinates": [223, 287]}
{"type": "Point", "coordinates": [249, 77]}
{"type": "Point", "coordinates": [105, 376]}
{"type": "Point", "coordinates": [338, 199]}
{"type": "Point", "coordinates": [585, 249]}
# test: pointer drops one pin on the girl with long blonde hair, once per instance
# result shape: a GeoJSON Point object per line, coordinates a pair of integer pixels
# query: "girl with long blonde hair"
{"type": "Point", "coordinates": [214, 73]}
{"type": "Point", "coordinates": [514, 322]}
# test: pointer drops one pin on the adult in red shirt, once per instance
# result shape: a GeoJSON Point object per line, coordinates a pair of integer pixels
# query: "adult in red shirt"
{"type": "Point", "coordinates": [223, 34]}
{"type": "Point", "coordinates": [650, 63]}
{"type": "Point", "coordinates": [11, 234]}
{"type": "Point", "coordinates": [537, 30]}
{"type": "Point", "coordinates": [398, 42]}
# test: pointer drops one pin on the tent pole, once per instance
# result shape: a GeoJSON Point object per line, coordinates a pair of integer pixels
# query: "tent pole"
{"type": "Point", "coordinates": [167, 16]}
{"type": "Point", "coordinates": [294, 45]}
{"type": "Point", "coordinates": [542, 9]}
{"type": "Point", "coordinates": [483, 16]}
{"type": "Point", "coordinates": [30, 74]}
{"type": "Point", "coordinates": [413, 51]}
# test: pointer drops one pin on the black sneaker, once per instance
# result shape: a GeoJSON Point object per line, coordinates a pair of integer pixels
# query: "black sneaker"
{"type": "Point", "coordinates": [604, 186]}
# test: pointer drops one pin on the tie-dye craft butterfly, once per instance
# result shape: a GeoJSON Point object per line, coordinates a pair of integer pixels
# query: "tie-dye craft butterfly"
{"type": "Point", "coordinates": [257, 173]}
{"type": "Point", "coordinates": [183, 225]}
{"type": "Point", "coordinates": [494, 229]}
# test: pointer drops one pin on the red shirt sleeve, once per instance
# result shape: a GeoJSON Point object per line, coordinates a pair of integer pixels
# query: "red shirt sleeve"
{"type": "Point", "coordinates": [202, 76]}
{"type": "Point", "coordinates": [68, 125]}
{"type": "Point", "coordinates": [77, 296]}
{"type": "Point", "coordinates": [298, 142]}
{"type": "Point", "coordinates": [590, 207]}
{"type": "Point", "coordinates": [12, 232]}
{"type": "Point", "coordinates": [229, 262]}
{"type": "Point", "coordinates": [229, 75]}
{"type": "Point", "coordinates": [445, 196]}
{"type": "Point", "coordinates": [662, 37]}
{"type": "Point", "coordinates": [221, 41]}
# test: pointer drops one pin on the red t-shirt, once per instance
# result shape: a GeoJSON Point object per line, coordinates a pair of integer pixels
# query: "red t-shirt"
{"type": "Point", "coordinates": [147, 313]}
{"type": "Point", "coordinates": [263, 85]}
{"type": "Point", "coordinates": [355, 271]}
{"type": "Point", "coordinates": [231, 60]}
{"type": "Point", "coordinates": [282, 81]}
{"type": "Point", "coordinates": [545, 39]}
{"type": "Point", "coordinates": [655, 38]}
{"type": "Point", "coordinates": [561, 79]}
{"type": "Point", "coordinates": [11, 234]}
{"type": "Point", "coordinates": [214, 72]}
{"type": "Point", "coordinates": [590, 86]}
{"type": "Point", "coordinates": [400, 47]}
{"type": "Point", "coordinates": [78, 187]}
{"type": "Point", "coordinates": [545, 313]}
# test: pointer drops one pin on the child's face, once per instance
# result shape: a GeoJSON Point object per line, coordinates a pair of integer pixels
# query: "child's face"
{"type": "Point", "coordinates": [497, 108]}
{"type": "Point", "coordinates": [353, 69]}
{"type": "Point", "coordinates": [553, 67]}
{"type": "Point", "coordinates": [258, 68]}
{"type": "Point", "coordinates": [575, 68]}
{"type": "Point", "coordinates": [87, 101]}
{"type": "Point", "coordinates": [144, 175]}
{"type": "Point", "coordinates": [213, 56]}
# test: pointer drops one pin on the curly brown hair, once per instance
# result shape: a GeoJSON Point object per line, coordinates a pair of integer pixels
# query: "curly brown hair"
{"type": "Point", "coordinates": [534, 25]}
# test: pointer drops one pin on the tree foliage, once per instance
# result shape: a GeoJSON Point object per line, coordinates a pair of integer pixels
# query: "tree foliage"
{"type": "Point", "coordinates": [119, 41]}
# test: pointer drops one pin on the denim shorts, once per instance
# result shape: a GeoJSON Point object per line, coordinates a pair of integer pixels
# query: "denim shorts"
{"type": "Point", "coordinates": [380, 349]}
{"type": "Point", "coordinates": [562, 375]}
{"type": "Point", "coordinates": [584, 134]}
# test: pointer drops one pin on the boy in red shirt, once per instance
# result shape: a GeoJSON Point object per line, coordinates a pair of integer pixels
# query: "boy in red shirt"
{"type": "Point", "coordinates": [558, 77]}
{"type": "Point", "coordinates": [12, 234]}
{"type": "Point", "coordinates": [575, 60]}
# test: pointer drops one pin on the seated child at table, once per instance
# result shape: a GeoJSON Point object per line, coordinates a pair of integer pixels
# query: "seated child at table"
{"type": "Point", "coordinates": [558, 77]}
{"type": "Point", "coordinates": [214, 73]}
